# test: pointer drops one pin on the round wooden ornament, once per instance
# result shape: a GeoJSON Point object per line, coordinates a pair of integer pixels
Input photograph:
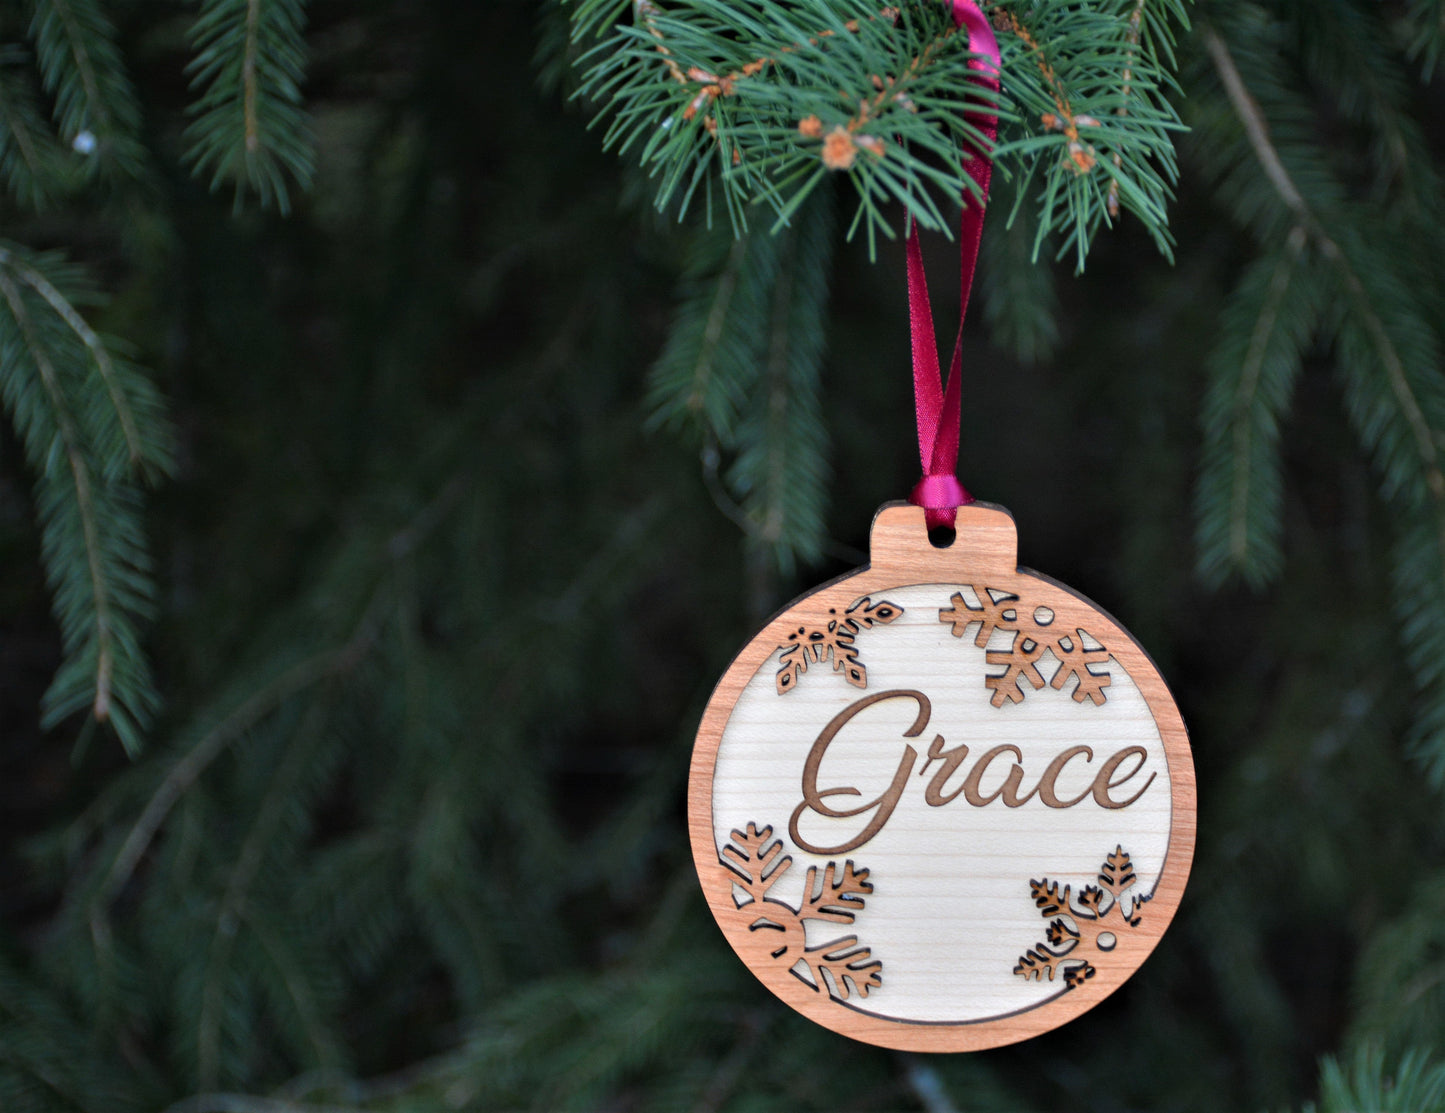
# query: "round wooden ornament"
{"type": "Point", "coordinates": [942, 803]}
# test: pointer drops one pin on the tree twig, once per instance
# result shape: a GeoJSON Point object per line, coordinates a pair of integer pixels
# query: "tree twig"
{"type": "Point", "coordinates": [1136, 24]}
{"type": "Point", "coordinates": [84, 497]}
{"type": "Point", "coordinates": [1249, 385]}
{"type": "Point", "coordinates": [98, 352]}
{"type": "Point", "coordinates": [1257, 130]}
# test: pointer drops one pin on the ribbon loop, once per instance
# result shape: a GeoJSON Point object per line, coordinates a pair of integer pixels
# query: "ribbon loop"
{"type": "Point", "coordinates": [938, 405]}
{"type": "Point", "coordinates": [941, 493]}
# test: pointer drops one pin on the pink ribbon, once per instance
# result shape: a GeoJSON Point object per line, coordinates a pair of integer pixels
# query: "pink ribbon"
{"type": "Point", "coordinates": [939, 407]}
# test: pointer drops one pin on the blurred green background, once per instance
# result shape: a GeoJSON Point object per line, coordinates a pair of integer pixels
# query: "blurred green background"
{"type": "Point", "coordinates": [439, 606]}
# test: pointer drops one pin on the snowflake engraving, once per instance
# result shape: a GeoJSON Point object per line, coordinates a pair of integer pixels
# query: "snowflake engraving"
{"type": "Point", "coordinates": [1034, 634]}
{"type": "Point", "coordinates": [1083, 924]}
{"type": "Point", "coordinates": [839, 968]}
{"type": "Point", "coordinates": [835, 639]}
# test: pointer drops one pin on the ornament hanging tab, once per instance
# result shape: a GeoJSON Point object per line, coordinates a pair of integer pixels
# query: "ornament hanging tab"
{"type": "Point", "coordinates": [938, 407]}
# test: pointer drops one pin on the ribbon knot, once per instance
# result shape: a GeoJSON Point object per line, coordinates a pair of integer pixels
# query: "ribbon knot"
{"type": "Point", "coordinates": [940, 493]}
{"type": "Point", "coordinates": [938, 405]}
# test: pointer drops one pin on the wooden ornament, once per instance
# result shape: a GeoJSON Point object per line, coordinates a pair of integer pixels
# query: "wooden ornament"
{"type": "Point", "coordinates": [942, 803]}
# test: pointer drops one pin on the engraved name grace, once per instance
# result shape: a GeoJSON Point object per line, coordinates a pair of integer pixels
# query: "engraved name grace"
{"type": "Point", "coordinates": [955, 776]}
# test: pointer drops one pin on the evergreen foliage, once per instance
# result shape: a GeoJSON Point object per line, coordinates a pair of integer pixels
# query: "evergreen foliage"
{"type": "Point", "coordinates": [1371, 231]}
{"type": "Point", "coordinates": [1020, 300]}
{"type": "Point", "coordinates": [479, 473]}
{"type": "Point", "coordinates": [1414, 1085]}
{"type": "Point", "coordinates": [92, 427]}
{"type": "Point", "coordinates": [30, 161]}
{"type": "Point", "coordinates": [753, 392]}
{"type": "Point", "coordinates": [760, 102]}
{"type": "Point", "coordinates": [250, 129]}
{"type": "Point", "coordinates": [91, 421]}
{"type": "Point", "coordinates": [1270, 326]}
{"type": "Point", "coordinates": [95, 104]}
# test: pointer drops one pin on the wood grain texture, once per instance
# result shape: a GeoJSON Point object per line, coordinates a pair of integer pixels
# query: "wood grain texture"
{"type": "Point", "coordinates": [977, 771]}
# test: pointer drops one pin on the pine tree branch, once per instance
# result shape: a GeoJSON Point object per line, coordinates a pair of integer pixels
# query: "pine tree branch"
{"type": "Point", "coordinates": [711, 458]}
{"type": "Point", "coordinates": [1019, 293]}
{"type": "Point", "coordinates": [713, 349]}
{"type": "Point", "coordinates": [262, 701]}
{"type": "Point", "coordinates": [1255, 126]}
{"type": "Point", "coordinates": [1419, 575]}
{"type": "Point", "coordinates": [302, 998]}
{"type": "Point", "coordinates": [1414, 1084]}
{"type": "Point", "coordinates": [780, 472]}
{"type": "Point", "coordinates": [1253, 366]}
{"type": "Point", "coordinates": [98, 351]}
{"type": "Point", "coordinates": [1067, 119]}
{"type": "Point", "coordinates": [766, 103]}
{"type": "Point", "coordinates": [717, 319]}
{"type": "Point", "coordinates": [212, 745]}
{"type": "Point", "coordinates": [281, 789]}
{"type": "Point", "coordinates": [1136, 24]}
{"type": "Point", "coordinates": [81, 66]}
{"type": "Point", "coordinates": [27, 151]}
{"type": "Point", "coordinates": [1399, 383]}
{"type": "Point", "coordinates": [250, 126]}
{"type": "Point", "coordinates": [42, 1071]}
{"type": "Point", "coordinates": [776, 376]}
{"type": "Point", "coordinates": [84, 498]}
{"type": "Point", "coordinates": [1257, 130]}
{"type": "Point", "coordinates": [248, 75]}
{"type": "Point", "coordinates": [20, 133]}
{"type": "Point", "coordinates": [1426, 22]}
{"type": "Point", "coordinates": [87, 419]}
{"type": "Point", "coordinates": [84, 64]}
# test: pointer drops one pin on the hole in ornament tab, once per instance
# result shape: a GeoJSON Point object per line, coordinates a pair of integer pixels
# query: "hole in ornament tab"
{"type": "Point", "coordinates": [942, 537]}
{"type": "Point", "coordinates": [1107, 940]}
